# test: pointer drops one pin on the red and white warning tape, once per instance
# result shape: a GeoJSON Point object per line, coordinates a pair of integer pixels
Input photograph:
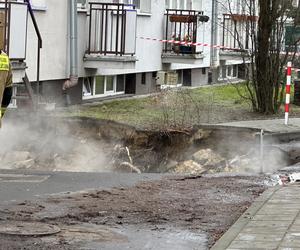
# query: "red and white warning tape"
{"type": "Point", "coordinates": [187, 43]}
{"type": "Point", "coordinates": [202, 44]}
{"type": "Point", "coordinates": [288, 92]}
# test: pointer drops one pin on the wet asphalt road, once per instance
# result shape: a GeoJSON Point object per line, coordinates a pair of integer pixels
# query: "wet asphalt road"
{"type": "Point", "coordinates": [30, 185]}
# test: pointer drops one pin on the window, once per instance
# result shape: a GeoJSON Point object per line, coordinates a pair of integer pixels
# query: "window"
{"type": "Point", "coordinates": [143, 6]}
{"type": "Point", "coordinates": [81, 4]}
{"type": "Point", "coordinates": [88, 86]}
{"type": "Point", "coordinates": [143, 80]}
{"type": "Point", "coordinates": [120, 83]}
{"type": "Point", "coordinates": [136, 3]}
{"type": "Point", "coordinates": [99, 82]}
{"type": "Point", "coordinates": [203, 71]}
{"type": "Point", "coordinates": [179, 4]}
{"type": "Point", "coordinates": [229, 71]}
{"type": "Point", "coordinates": [222, 72]}
{"type": "Point", "coordinates": [109, 83]}
{"type": "Point", "coordinates": [235, 71]}
{"type": "Point", "coordinates": [99, 86]}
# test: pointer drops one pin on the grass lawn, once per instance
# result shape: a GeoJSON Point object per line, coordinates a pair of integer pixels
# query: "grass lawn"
{"type": "Point", "coordinates": [176, 108]}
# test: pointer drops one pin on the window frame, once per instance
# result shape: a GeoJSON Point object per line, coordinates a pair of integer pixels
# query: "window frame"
{"type": "Point", "coordinates": [187, 4]}
{"type": "Point", "coordinates": [92, 81]}
{"type": "Point", "coordinates": [139, 8]}
{"type": "Point", "coordinates": [82, 6]}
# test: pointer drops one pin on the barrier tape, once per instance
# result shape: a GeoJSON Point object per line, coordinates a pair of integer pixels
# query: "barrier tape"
{"type": "Point", "coordinates": [204, 44]}
{"type": "Point", "coordinates": [188, 43]}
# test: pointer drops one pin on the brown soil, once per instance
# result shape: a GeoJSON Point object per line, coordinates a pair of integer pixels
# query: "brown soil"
{"type": "Point", "coordinates": [199, 204]}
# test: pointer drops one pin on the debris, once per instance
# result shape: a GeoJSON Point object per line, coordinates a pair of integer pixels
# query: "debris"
{"type": "Point", "coordinates": [200, 135]}
{"type": "Point", "coordinates": [190, 167]}
{"type": "Point", "coordinates": [129, 157]}
{"type": "Point", "coordinates": [207, 157]}
{"type": "Point", "coordinates": [128, 167]}
{"type": "Point", "coordinates": [294, 177]}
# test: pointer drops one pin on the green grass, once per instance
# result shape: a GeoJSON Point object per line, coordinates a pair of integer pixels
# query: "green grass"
{"type": "Point", "coordinates": [167, 107]}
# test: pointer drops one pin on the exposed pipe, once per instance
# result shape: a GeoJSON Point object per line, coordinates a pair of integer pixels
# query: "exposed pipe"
{"type": "Point", "coordinates": [73, 22]}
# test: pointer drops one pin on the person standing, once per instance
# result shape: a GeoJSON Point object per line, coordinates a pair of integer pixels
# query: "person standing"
{"type": "Point", "coordinates": [5, 83]}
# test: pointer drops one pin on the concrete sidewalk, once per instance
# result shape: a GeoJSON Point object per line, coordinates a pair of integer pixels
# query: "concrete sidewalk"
{"type": "Point", "coordinates": [273, 126]}
{"type": "Point", "coordinates": [272, 222]}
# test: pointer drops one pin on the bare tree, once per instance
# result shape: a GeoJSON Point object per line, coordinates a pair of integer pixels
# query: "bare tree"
{"type": "Point", "coordinates": [263, 23]}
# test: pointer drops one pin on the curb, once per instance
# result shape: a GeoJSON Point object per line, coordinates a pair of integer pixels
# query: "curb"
{"type": "Point", "coordinates": [225, 241]}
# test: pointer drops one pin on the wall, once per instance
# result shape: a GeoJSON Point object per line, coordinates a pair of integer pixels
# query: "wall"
{"type": "Point", "coordinates": [198, 78]}
{"type": "Point", "coordinates": [53, 24]}
{"type": "Point", "coordinates": [149, 87]}
{"type": "Point", "coordinates": [54, 54]}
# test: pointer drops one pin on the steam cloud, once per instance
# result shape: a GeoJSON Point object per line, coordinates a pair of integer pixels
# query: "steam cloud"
{"type": "Point", "coordinates": [47, 143]}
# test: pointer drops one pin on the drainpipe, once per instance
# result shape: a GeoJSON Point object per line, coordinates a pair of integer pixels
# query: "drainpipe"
{"type": "Point", "coordinates": [73, 20]}
{"type": "Point", "coordinates": [214, 32]}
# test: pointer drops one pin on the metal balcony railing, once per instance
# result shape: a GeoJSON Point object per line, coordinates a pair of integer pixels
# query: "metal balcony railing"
{"type": "Point", "coordinates": [181, 26]}
{"type": "Point", "coordinates": [112, 29]}
{"type": "Point", "coordinates": [237, 30]}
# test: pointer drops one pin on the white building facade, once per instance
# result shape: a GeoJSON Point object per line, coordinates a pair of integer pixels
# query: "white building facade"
{"type": "Point", "coordinates": [114, 51]}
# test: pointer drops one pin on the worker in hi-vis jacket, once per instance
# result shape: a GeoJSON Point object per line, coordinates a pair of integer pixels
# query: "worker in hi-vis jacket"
{"type": "Point", "coordinates": [5, 83]}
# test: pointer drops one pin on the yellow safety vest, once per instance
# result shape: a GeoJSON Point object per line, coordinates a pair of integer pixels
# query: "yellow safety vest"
{"type": "Point", "coordinates": [4, 66]}
{"type": "Point", "coordinates": [4, 62]}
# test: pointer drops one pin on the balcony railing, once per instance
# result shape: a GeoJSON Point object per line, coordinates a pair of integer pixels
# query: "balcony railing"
{"type": "Point", "coordinates": [112, 29]}
{"type": "Point", "coordinates": [182, 26]}
{"type": "Point", "coordinates": [237, 30]}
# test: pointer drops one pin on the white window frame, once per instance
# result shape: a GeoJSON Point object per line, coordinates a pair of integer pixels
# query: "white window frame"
{"type": "Point", "coordinates": [91, 95]}
{"type": "Point", "coordinates": [229, 76]}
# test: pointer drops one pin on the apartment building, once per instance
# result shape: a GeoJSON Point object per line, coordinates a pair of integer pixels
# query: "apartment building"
{"type": "Point", "coordinates": [235, 22]}
{"type": "Point", "coordinates": [111, 47]}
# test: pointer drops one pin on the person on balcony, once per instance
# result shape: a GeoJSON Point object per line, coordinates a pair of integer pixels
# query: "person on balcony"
{"type": "Point", "coordinates": [5, 83]}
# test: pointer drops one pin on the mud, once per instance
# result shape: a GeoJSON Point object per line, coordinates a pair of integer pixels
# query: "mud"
{"type": "Point", "coordinates": [198, 207]}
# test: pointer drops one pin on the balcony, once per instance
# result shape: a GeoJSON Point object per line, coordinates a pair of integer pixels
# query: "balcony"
{"type": "Point", "coordinates": [236, 36]}
{"type": "Point", "coordinates": [183, 28]}
{"type": "Point", "coordinates": [112, 36]}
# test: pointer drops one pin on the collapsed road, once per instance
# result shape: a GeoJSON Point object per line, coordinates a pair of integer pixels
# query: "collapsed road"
{"type": "Point", "coordinates": [197, 193]}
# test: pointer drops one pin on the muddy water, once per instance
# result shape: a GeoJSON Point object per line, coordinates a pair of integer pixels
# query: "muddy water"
{"type": "Point", "coordinates": [90, 236]}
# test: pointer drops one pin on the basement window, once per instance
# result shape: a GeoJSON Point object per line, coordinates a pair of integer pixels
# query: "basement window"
{"type": "Point", "coordinates": [87, 87]}
{"type": "Point", "coordinates": [101, 86]}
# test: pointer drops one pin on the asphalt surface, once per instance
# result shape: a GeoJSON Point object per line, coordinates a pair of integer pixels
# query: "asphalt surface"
{"type": "Point", "coordinates": [29, 185]}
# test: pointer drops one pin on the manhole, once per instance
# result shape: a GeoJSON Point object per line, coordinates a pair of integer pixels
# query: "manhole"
{"type": "Point", "coordinates": [28, 229]}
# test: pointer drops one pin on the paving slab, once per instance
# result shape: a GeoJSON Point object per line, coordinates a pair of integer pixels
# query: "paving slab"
{"type": "Point", "coordinates": [274, 125]}
{"type": "Point", "coordinates": [272, 222]}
